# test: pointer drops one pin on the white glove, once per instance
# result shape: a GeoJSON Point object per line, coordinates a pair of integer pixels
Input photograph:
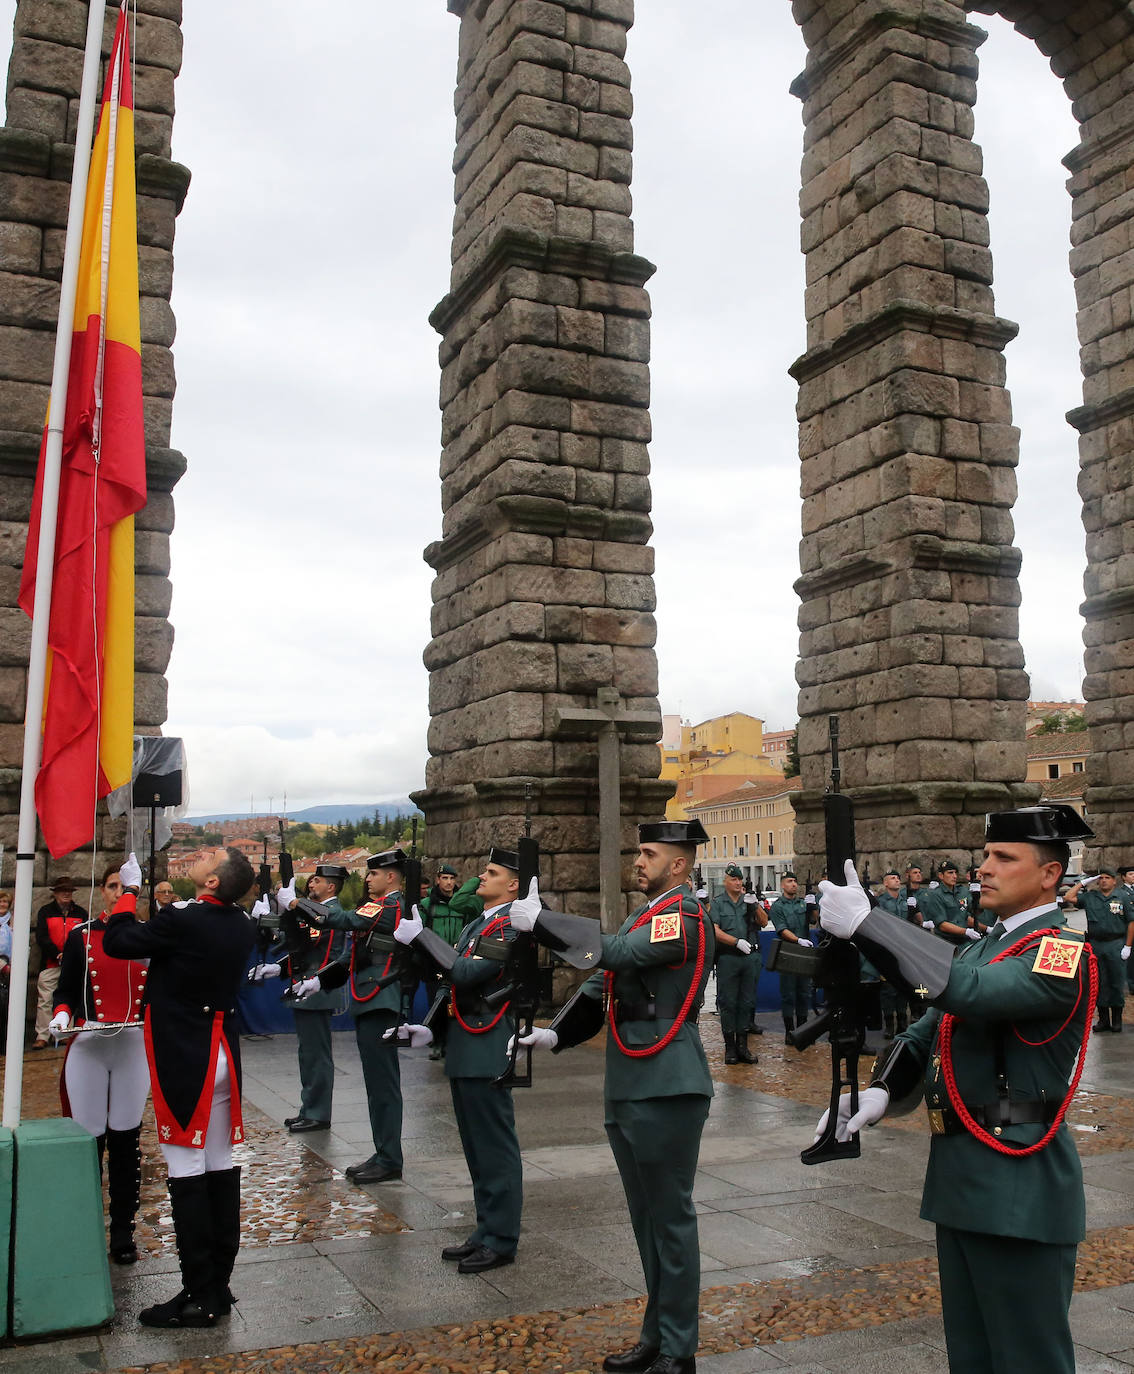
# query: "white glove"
{"type": "Point", "coordinates": [302, 991]}
{"type": "Point", "coordinates": [928, 925]}
{"type": "Point", "coordinates": [60, 1021]}
{"type": "Point", "coordinates": [131, 872]}
{"type": "Point", "coordinates": [934, 884]}
{"type": "Point", "coordinates": [872, 1104]}
{"type": "Point", "coordinates": [911, 903]}
{"type": "Point", "coordinates": [262, 972]}
{"type": "Point", "coordinates": [524, 910]}
{"type": "Point", "coordinates": [974, 888]}
{"type": "Point", "coordinates": [809, 898]}
{"type": "Point", "coordinates": [260, 907]}
{"type": "Point", "coordinates": [971, 934]}
{"type": "Point", "coordinates": [750, 899]}
{"type": "Point", "coordinates": [414, 1036]}
{"type": "Point", "coordinates": [805, 944]}
{"type": "Point", "coordinates": [541, 1038]}
{"type": "Point", "coordinates": [844, 908]}
{"type": "Point", "coordinates": [1124, 953]}
{"type": "Point", "coordinates": [1086, 882]}
{"type": "Point", "coordinates": [702, 893]}
{"type": "Point", "coordinates": [409, 928]}
{"type": "Point", "coordinates": [286, 896]}
{"type": "Point", "coordinates": [743, 947]}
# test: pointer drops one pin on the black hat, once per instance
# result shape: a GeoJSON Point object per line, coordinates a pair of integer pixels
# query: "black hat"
{"type": "Point", "coordinates": [1053, 824]}
{"type": "Point", "coordinates": [734, 871]}
{"type": "Point", "coordinates": [389, 858]}
{"type": "Point", "coordinates": [335, 872]}
{"type": "Point", "coordinates": [788, 874]}
{"type": "Point", "coordinates": [446, 870]}
{"type": "Point", "coordinates": [672, 832]}
{"type": "Point", "coordinates": [1126, 868]}
{"type": "Point", "coordinates": [891, 873]}
{"type": "Point", "coordinates": [504, 858]}
{"type": "Point", "coordinates": [947, 866]}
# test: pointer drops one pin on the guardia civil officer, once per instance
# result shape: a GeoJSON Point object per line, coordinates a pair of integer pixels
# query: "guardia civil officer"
{"type": "Point", "coordinates": [375, 1009]}
{"type": "Point", "coordinates": [313, 1015]}
{"type": "Point", "coordinates": [736, 966]}
{"type": "Point", "coordinates": [1110, 931]}
{"type": "Point", "coordinates": [197, 953]}
{"type": "Point", "coordinates": [895, 1003]}
{"type": "Point", "coordinates": [947, 907]}
{"type": "Point", "coordinates": [791, 916]}
{"type": "Point", "coordinates": [476, 1054]}
{"type": "Point", "coordinates": [657, 1079]}
{"type": "Point", "coordinates": [446, 910]}
{"type": "Point", "coordinates": [992, 1058]}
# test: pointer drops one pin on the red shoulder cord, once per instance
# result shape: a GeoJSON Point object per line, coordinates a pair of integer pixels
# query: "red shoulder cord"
{"type": "Point", "coordinates": [945, 1041]}
{"type": "Point", "coordinates": [608, 982]}
{"type": "Point", "coordinates": [389, 957]}
{"type": "Point", "coordinates": [497, 923]}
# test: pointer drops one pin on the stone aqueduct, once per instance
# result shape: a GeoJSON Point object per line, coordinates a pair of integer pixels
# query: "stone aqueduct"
{"type": "Point", "coordinates": [543, 592]}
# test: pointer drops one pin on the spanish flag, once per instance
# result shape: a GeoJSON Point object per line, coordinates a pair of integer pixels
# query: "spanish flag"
{"type": "Point", "coordinates": [88, 710]}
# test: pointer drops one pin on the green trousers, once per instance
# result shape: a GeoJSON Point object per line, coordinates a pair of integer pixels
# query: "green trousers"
{"type": "Point", "coordinates": [736, 990]}
{"type": "Point", "coordinates": [382, 1075]}
{"type": "Point", "coordinates": [656, 1143]}
{"type": "Point", "coordinates": [1112, 972]}
{"type": "Point", "coordinates": [486, 1121]}
{"type": "Point", "coordinates": [316, 1064]}
{"type": "Point", "coordinates": [1005, 1303]}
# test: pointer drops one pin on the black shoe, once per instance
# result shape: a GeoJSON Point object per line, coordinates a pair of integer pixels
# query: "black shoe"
{"type": "Point", "coordinates": [482, 1258]}
{"type": "Point", "coordinates": [460, 1252]}
{"type": "Point", "coordinates": [673, 1364]}
{"type": "Point", "coordinates": [126, 1253]}
{"type": "Point", "coordinates": [353, 1169]}
{"type": "Point", "coordinates": [374, 1173]}
{"type": "Point", "coordinates": [638, 1357]}
{"type": "Point", "coordinates": [289, 1121]}
{"type": "Point", "coordinates": [307, 1123]}
{"type": "Point", "coordinates": [179, 1311]}
{"type": "Point", "coordinates": [754, 1029]}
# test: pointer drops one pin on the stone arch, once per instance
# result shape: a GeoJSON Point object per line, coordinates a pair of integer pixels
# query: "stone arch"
{"type": "Point", "coordinates": [908, 583]}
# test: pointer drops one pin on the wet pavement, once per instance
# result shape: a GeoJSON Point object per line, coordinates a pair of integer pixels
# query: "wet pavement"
{"type": "Point", "coordinates": [803, 1269]}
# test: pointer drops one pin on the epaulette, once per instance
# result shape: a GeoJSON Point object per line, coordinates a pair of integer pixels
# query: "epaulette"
{"type": "Point", "coordinates": [690, 906]}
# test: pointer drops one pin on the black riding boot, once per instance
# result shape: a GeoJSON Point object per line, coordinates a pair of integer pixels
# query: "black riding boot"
{"type": "Point", "coordinates": [224, 1203]}
{"type": "Point", "coordinates": [730, 1048]}
{"type": "Point", "coordinates": [1103, 1023]}
{"type": "Point", "coordinates": [196, 1304]}
{"type": "Point", "coordinates": [124, 1180]}
{"type": "Point", "coordinates": [743, 1053]}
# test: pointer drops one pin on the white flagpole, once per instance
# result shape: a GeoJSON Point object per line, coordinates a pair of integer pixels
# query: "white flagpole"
{"type": "Point", "coordinates": [45, 568]}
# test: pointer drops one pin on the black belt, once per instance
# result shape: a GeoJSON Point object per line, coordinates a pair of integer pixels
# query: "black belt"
{"type": "Point", "coordinates": [649, 1011]}
{"type": "Point", "coordinates": [945, 1121]}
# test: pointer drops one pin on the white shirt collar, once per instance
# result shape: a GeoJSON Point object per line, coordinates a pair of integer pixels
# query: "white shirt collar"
{"type": "Point", "coordinates": [1011, 923]}
{"type": "Point", "coordinates": [492, 910]}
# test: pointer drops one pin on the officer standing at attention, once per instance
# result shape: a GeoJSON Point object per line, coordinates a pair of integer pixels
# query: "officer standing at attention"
{"type": "Point", "coordinates": [1110, 931]}
{"type": "Point", "coordinates": [446, 910]}
{"type": "Point", "coordinates": [948, 911]}
{"type": "Point", "coordinates": [658, 1086]}
{"type": "Point", "coordinates": [375, 1010]}
{"type": "Point", "coordinates": [313, 1015]}
{"type": "Point", "coordinates": [791, 917]}
{"type": "Point", "coordinates": [479, 1035]}
{"type": "Point", "coordinates": [993, 1059]}
{"type": "Point", "coordinates": [736, 970]}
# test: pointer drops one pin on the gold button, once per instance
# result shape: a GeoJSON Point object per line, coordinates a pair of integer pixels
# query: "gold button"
{"type": "Point", "coordinates": [98, 1001]}
{"type": "Point", "coordinates": [996, 1130]}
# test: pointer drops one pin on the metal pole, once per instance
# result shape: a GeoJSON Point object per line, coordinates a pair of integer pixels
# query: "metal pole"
{"type": "Point", "coordinates": [45, 569]}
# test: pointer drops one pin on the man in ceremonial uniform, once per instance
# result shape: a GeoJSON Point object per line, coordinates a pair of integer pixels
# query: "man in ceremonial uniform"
{"type": "Point", "coordinates": [308, 951]}
{"type": "Point", "coordinates": [658, 1085]}
{"type": "Point", "coordinates": [197, 953]}
{"type": "Point", "coordinates": [1110, 931]}
{"type": "Point", "coordinates": [791, 917]}
{"type": "Point", "coordinates": [946, 908]}
{"type": "Point", "coordinates": [375, 1009]}
{"type": "Point", "coordinates": [992, 1058]}
{"type": "Point", "coordinates": [479, 1032]}
{"type": "Point", "coordinates": [53, 923]}
{"type": "Point", "coordinates": [737, 966]}
{"type": "Point", "coordinates": [446, 910]}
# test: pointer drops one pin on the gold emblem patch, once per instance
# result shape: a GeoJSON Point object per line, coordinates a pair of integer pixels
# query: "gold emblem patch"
{"type": "Point", "coordinates": [368, 909]}
{"type": "Point", "coordinates": [666, 927]}
{"type": "Point", "coordinates": [1060, 958]}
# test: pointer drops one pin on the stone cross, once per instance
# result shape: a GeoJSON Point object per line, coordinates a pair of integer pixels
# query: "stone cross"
{"type": "Point", "coordinates": [609, 721]}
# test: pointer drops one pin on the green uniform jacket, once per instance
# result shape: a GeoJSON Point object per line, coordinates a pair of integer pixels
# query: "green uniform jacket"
{"type": "Point", "coordinates": [790, 913]}
{"type": "Point", "coordinates": [368, 966]}
{"type": "Point", "coordinates": [1106, 916]}
{"type": "Point", "coordinates": [969, 1185]}
{"type": "Point", "coordinates": [896, 906]}
{"type": "Point", "coordinates": [939, 904]}
{"type": "Point", "coordinates": [449, 918]}
{"type": "Point", "coordinates": [732, 918]}
{"type": "Point", "coordinates": [477, 1046]}
{"type": "Point", "coordinates": [327, 949]}
{"type": "Point", "coordinates": [658, 961]}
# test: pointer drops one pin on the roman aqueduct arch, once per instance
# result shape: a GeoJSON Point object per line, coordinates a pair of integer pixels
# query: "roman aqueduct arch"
{"type": "Point", "coordinates": [543, 592]}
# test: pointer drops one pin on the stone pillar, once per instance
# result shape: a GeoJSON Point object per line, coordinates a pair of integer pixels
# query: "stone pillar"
{"type": "Point", "coordinates": [36, 152]}
{"type": "Point", "coordinates": [544, 590]}
{"type": "Point", "coordinates": [908, 622]}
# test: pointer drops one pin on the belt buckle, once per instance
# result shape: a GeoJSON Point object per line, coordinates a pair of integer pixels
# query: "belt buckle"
{"type": "Point", "coordinates": [936, 1121]}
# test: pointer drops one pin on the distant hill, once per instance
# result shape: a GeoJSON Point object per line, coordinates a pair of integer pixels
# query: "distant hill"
{"type": "Point", "coordinates": [328, 814]}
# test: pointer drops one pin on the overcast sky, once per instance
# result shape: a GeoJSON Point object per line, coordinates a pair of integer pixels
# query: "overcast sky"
{"type": "Point", "coordinates": [313, 244]}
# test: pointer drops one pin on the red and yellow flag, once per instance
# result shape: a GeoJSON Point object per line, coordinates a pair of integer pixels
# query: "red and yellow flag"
{"type": "Point", "coordinates": [88, 712]}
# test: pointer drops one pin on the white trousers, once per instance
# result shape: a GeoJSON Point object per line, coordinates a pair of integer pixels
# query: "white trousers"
{"type": "Point", "coordinates": [107, 1079]}
{"type": "Point", "coordinates": [180, 1160]}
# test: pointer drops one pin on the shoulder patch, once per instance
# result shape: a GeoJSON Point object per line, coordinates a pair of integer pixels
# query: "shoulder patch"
{"type": "Point", "coordinates": [667, 926]}
{"type": "Point", "coordinates": [368, 909]}
{"type": "Point", "coordinates": [1059, 958]}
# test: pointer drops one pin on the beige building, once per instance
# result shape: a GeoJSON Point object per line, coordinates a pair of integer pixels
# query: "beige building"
{"type": "Point", "coordinates": [752, 826]}
{"type": "Point", "coordinates": [707, 760]}
{"type": "Point", "coordinates": [1057, 756]}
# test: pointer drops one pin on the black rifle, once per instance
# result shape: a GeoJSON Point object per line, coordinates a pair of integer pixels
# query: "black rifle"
{"type": "Point", "coordinates": [834, 965]}
{"type": "Point", "coordinates": [264, 936]}
{"type": "Point", "coordinates": [292, 927]}
{"type": "Point", "coordinates": [522, 969]}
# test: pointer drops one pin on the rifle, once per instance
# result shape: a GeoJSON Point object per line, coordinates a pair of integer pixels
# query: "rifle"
{"type": "Point", "coordinates": [834, 965]}
{"type": "Point", "coordinates": [523, 987]}
{"type": "Point", "coordinates": [264, 935]}
{"type": "Point", "coordinates": [291, 925]}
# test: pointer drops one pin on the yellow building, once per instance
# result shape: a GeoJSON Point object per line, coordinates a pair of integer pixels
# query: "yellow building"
{"type": "Point", "coordinates": [753, 826]}
{"type": "Point", "coordinates": [712, 758]}
{"type": "Point", "coordinates": [1057, 756]}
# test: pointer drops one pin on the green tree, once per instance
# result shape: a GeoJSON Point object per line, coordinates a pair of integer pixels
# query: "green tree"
{"type": "Point", "coordinates": [791, 760]}
{"type": "Point", "coordinates": [1055, 724]}
{"type": "Point", "coordinates": [1076, 723]}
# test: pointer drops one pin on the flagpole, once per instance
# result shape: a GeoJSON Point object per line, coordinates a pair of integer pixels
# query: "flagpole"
{"type": "Point", "coordinates": [45, 567]}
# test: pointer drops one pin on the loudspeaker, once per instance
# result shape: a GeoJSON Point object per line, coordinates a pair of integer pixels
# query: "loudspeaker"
{"type": "Point", "coordinates": [157, 789]}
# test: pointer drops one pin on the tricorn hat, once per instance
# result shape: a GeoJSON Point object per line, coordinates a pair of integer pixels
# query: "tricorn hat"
{"type": "Point", "coordinates": [389, 858]}
{"type": "Point", "coordinates": [1053, 824]}
{"type": "Point", "coordinates": [504, 858]}
{"type": "Point", "coordinates": [334, 871]}
{"type": "Point", "coordinates": [672, 832]}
